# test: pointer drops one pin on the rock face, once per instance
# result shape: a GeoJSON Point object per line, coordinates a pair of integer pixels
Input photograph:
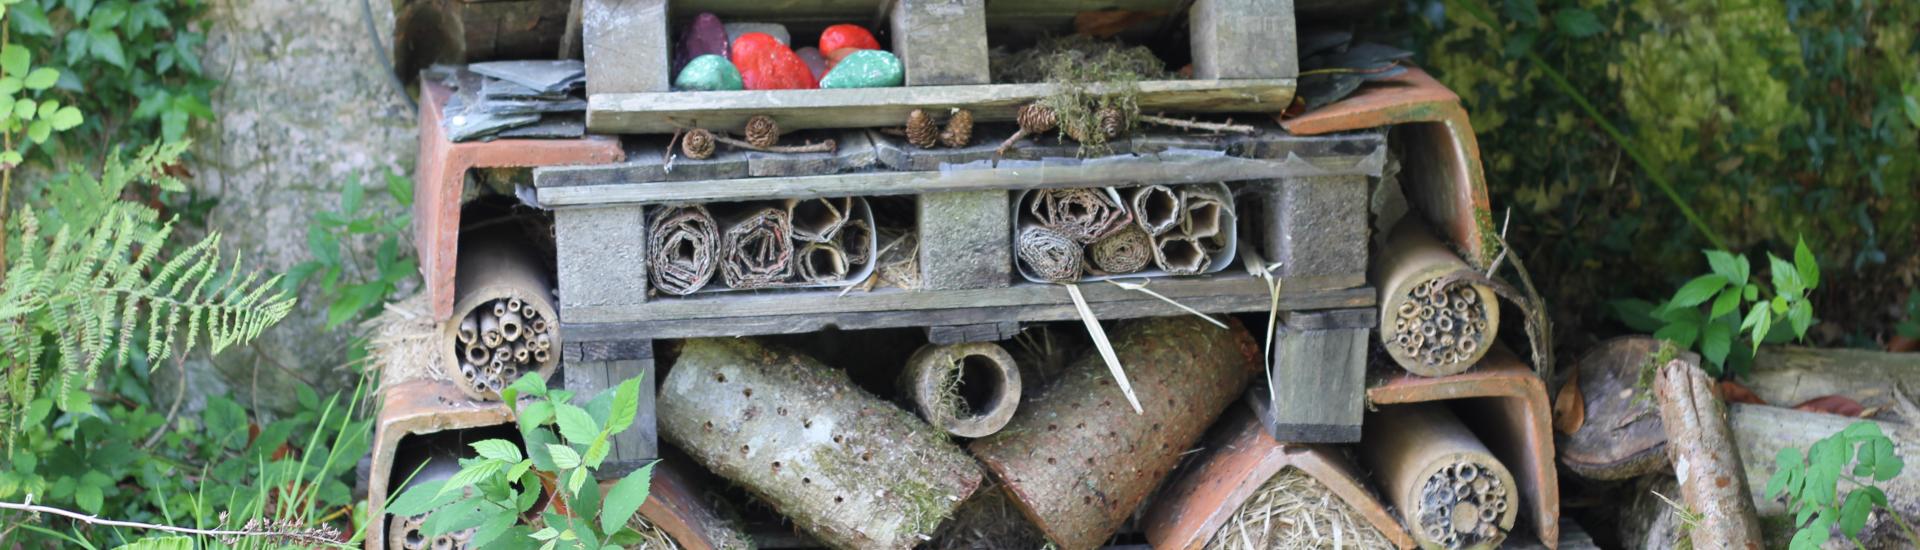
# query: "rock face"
{"type": "Point", "coordinates": [866, 69]}
{"type": "Point", "coordinates": [305, 106]}
{"type": "Point", "coordinates": [709, 73]}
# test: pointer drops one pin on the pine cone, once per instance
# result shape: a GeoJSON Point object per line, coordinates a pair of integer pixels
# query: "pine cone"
{"type": "Point", "coordinates": [697, 144]}
{"type": "Point", "coordinates": [762, 131]}
{"type": "Point", "coordinates": [1113, 122]}
{"type": "Point", "coordinates": [1036, 118]}
{"type": "Point", "coordinates": [920, 130]}
{"type": "Point", "coordinates": [959, 129]}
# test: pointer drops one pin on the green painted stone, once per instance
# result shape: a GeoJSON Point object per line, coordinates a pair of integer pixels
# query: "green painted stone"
{"type": "Point", "coordinates": [866, 69]}
{"type": "Point", "coordinates": [709, 73]}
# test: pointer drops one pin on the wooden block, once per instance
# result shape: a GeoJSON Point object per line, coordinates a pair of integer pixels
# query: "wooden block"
{"type": "Point", "coordinates": [602, 256]}
{"type": "Point", "coordinates": [966, 240]}
{"type": "Point", "coordinates": [1316, 227]}
{"type": "Point", "coordinates": [593, 367]}
{"type": "Point", "coordinates": [1319, 382]}
{"type": "Point", "coordinates": [626, 46]}
{"type": "Point", "coordinates": [941, 42]}
{"type": "Point", "coordinates": [1239, 39]}
{"type": "Point", "coordinates": [1328, 319]}
{"type": "Point", "coordinates": [983, 332]}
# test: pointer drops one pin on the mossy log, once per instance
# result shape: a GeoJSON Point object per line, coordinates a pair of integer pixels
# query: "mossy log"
{"type": "Point", "coordinates": [1078, 462]}
{"type": "Point", "coordinates": [1451, 491]}
{"type": "Point", "coordinates": [1427, 328]}
{"type": "Point", "coordinates": [850, 469]}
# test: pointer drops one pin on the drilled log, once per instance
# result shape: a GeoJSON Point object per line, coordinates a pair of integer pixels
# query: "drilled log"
{"type": "Point", "coordinates": [1078, 462]}
{"type": "Point", "coordinates": [969, 390]}
{"type": "Point", "coordinates": [1705, 459]}
{"type": "Point", "coordinates": [1430, 333]}
{"type": "Point", "coordinates": [850, 469]}
{"type": "Point", "coordinates": [496, 267]}
{"type": "Point", "coordinates": [1449, 489]}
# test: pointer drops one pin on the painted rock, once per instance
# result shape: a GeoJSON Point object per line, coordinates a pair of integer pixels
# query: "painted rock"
{"type": "Point", "coordinates": [866, 69]}
{"type": "Point", "coordinates": [704, 36]}
{"type": "Point", "coordinates": [815, 62]}
{"type": "Point", "coordinates": [847, 35]}
{"type": "Point", "coordinates": [775, 30]}
{"type": "Point", "coordinates": [709, 73]}
{"type": "Point", "coordinates": [834, 56]}
{"type": "Point", "coordinates": [766, 64]}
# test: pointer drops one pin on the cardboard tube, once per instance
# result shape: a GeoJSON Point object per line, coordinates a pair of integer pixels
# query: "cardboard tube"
{"type": "Point", "coordinates": [1125, 251]}
{"type": "Point", "coordinates": [1180, 255]}
{"type": "Point", "coordinates": [683, 249]}
{"type": "Point", "coordinates": [758, 250]}
{"type": "Point", "coordinates": [1083, 214]}
{"type": "Point", "coordinates": [822, 263]}
{"type": "Point", "coordinates": [510, 325]}
{"type": "Point", "coordinates": [818, 220]}
{"type": "Point", "coordinates": [1156, 208]}
{"type": "Point", "coordinates": [1049, 254]}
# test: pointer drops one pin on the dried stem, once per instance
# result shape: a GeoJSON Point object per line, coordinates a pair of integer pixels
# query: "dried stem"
{"type": "Point", "coordinates": [313, 537]}
{"type": "Point", "coordinates": [821, 147]}
{"type": "Point", "coordinates": [1215, 127]}
{"type": "Point", "coordinates": [1008, 145]}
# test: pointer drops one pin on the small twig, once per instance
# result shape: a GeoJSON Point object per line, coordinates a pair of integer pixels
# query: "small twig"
{"type": "Point", "coordinates": [1007, 146]}
{"type": "Point", "coordinates": [894, 131]}
{"type": "Point", "coordinates": [1495, 266]}
{"type": "Point", "coordinates": [1215, 127]}
{"type": "Point", "coordinates": [821, 147]}
{"type": "Point", "coordinates": [319, 536]}
{"type": "Point", "coordinates": [173, 411]}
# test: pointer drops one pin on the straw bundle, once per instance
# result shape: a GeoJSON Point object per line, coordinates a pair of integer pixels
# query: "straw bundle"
{"type": "Point", "coordinates": [1293, 511]}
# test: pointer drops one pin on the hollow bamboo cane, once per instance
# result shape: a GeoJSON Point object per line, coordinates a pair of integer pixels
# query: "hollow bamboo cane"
{"type": "Point", "coordinates": [969, 390]}
{"type": "Point", "coordinates": [496, 267]}
{"type": "Point", "coordinates": [1449, 489]}
{"type": "Point", "coordinates": [1426, 332]}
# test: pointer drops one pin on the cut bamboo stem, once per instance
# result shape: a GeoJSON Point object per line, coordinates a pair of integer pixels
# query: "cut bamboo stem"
{"type": "Point", "coordinates": [498, 277]}
{"type": "Point", "coordinates": [510, 325]}
{"type": "Point", "coordinates": [1705, 459]}
{"type": "Point", "coordinates": [1426, 328]}
{"type": "Point", "coordinates": [469, 330]}
{"type": "Point", "coordinates": [969, 390]}
{"type": "Point", "coordinates": [1449, 489]}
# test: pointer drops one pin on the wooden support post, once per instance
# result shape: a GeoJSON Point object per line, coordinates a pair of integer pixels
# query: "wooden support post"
{"type": "Point", "coordinates": [1243, 39]}
{"type": "Point", "coordinates": [1706, 459]}
{"type": "Point", "coordinates": [602, 256]}
{"type": "Point", "coordinates": [1319, 376]}
{"type": "Point", "coordinates": [941, 42]}
{"type": "Point", "coordinates": [966, 240]}
{"type": "Point", "coordinates": [626, 46]}
{"type": "Point", "coordinates": [983, 332]}
{"type": "Point", "coordinates": [595, 366]}
{"type": "Point", "coordinates": [1316, 227]}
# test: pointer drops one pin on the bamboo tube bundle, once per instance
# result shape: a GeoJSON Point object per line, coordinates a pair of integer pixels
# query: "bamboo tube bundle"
{"type": "Point", "coordinates": [758, 249]}
{"type": "Point", "coordinates": [969, 390]}
{"type": "Point", "coordinates": [1125, 251]}
{"type": "Point", "coordinates": [1156, 208]}
{"type": "Point", "coordinates": [850, 469]}
{"type": "Point", "coordinates": [1429, 328]}
{"type": "Point", "coordinates": [1449, 489]}
{"type": "Point", "coordinates": [818, 220]}
{"type": "Point", "coordinates": [682, 248]}
{"type": "Point", "coordinates": [1049, 254]}
{"type": "Point", "coordinates": [504, 318]}
{"type": "Point", "coordinates": [1078, 462]}
{"type": "Point", "coordinates": [1082, 214]}
{"type": "Point", "coordinates": [409, 532]}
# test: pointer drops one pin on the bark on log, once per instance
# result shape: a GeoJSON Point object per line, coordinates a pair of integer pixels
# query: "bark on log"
{"type": "Point", "coordinates": [1078, 462]}
{"type": "Point", "coordinates": [1705, 459]}
{"type": "Point", "coordinates": [1430, 335]}
{"type": "Point", "coordinates": [968, 390]}
{"type": "Point", "coordinates": [1789, 375]}
{"type": "Point", "coordinates": [852, 470]}
{"type": "Point", "coordinates": [496, 266]}
{"type": "Point", "coordinates": [1450, 490]}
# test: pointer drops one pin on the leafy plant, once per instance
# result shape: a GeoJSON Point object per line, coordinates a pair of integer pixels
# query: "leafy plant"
{"type": "Point", "coordinates": [349, 288]}
{"type": "Point", "coordinates": [495, 493]}
{"type": "Point", "coordinates": [1811, 484]}
{"type": "Point", "coordinates": [117, 55]}
{"type": "Point", "coordinates": [1707, 310]}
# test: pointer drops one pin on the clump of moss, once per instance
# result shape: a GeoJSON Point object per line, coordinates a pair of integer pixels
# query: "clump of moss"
{"type": "Point", "coordinates": [1089, 75]}
{"type": "Point", "coordinates": [1643, 386]}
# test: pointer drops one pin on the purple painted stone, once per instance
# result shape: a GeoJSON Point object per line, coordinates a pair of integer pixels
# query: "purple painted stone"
{"type": "Point", "coordinates": [815, 62]}
{"type": "Point", "coordinates": [705, 35]}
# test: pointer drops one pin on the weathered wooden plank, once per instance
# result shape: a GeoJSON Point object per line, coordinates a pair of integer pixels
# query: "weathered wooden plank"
{"type": "Point", "coordinates": [1316, 226]}
{"type": "Point", "coordinates": [626, 46]}
{"type": "Point", "coordinates": [1243, 39]}
{"type": "Point", "coordinates": [611, 111]}
{"type": "Point", "coordinates": [941, 42]}
{"type": "Point", "coordinates": [1330, 319]}
{"type": "Point", "coordinates": [983, 332]}
{"type": "Point", "coordinates": [614, 364]}
{"type": "Point", "coordinates": [965, 240]}
{"type": "Point", "coordinates": [602, 256]}
{"type": "Point", "coordinates": [1319, 382]}
{"type": "Point", "coordinates": [852, 151]}
{"type": "Point", "coordinates": [1171, 168]}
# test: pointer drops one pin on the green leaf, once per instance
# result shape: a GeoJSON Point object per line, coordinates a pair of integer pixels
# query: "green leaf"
{"type": "Point", "coordinates": [350, 197]}
{"type": "Point", "coordinates": [1698, 290]}
{"type": "Point", "coordinates": [1787, 467]}
{"type": "Point", "coordinates": [89, 497]}
{"type": "Point", "coordinates": [1810, 537]}
{"type": "Point", "coordinates": [1577, 23]}
{"type": "Point", "coordinates": [575, 424]}
{"type": "Point", "coordinates": [529, 384]}
{"type": "Point", "coordinates": [564, 457]}
{"type": "Point", "coordinates": [460, 516]}
{"type": "Point", "coordinates": [520, 469]}
{"type": "Point", "coordinates": [626, 404]}
{"type": "Point", "coordinates": [1728, 302]}
{"type": "Point", "coordinates": [1734, 268]}
{"type": "Point", "coordinates": [1801, 315]}
{"type": "Point", "coordinates": [1786, 280]}
{"type": "Point", "coordinates": [24, 108]}
{"type": "Point", "coordinates": [1854, 513]}
{"type": "Point", "coordinates": [422, 498]}
{"type": "Point", "coordinates": [1805, 264]}
{"type": "Point", "coordinates": [30, 18]}
{"type": "Point", "coordinates": [1715, 341]}
{"type": "Point", "coordinates": [67, 118]}
{"type": "Point", "coordinates": [491, 529]}
{"type": "Point", "coordinates": [105, 46]}
{"type": "Point", "coordinates": [1752, 292]}
{"type": "Point", "coordinates": [578, 480]}
{"type": "Point", "coordinates": [536, 413]}
{"type": "Point", "coordinates": [498, 449]}
{"type": "Point", "coordinates": [1683, 334]}
{"type": "Point", "coordinates": [41, 78]}
{"type": "Point", "coordinates": [597, 452]}
{"type": "Point", "coordinates": [1778, 305]}
{"type": "Point", "coordinates": [1524, 12]}
{"type": "Point", "coordinates": [39, 131]}
{"type": "Point", "coordinates": [1636, 314]}
{"type": "Point", "coordinates": [159, 543]}
{"type": "Point", "coordinates": [1761, 326]}
{"type": "Point", "coordinates": [624, 499]}
{"type": "Point", "coordinates": [400, 188]}
{"type": "Point", "coordinates": [14, 59]}
{"type": "Point", "coordinates": [472, 473]}
{"type": "Point", "coordinates": [10, 85]}
{"type": "Point", "coordinates": [548, 533]}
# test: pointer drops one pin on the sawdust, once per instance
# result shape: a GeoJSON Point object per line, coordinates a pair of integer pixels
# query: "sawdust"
{"type": "Point", "coordinates": [1295, 511]}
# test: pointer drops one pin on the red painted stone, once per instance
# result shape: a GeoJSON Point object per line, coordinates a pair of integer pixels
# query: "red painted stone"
{"type": "Point", "coordinates": [847, 35]}
{"type": "Point", "coordinates": [766, 64]}
{"type": "Point", "coordinates": [834, 56]}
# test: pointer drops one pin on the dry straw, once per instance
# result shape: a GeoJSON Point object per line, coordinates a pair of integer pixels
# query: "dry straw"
{"type": "Point", "coordinates": [1294, 511]}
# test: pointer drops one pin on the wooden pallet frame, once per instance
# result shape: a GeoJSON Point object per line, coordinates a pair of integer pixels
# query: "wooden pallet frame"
{"type": "Point", "coordinates": [1244, 55]}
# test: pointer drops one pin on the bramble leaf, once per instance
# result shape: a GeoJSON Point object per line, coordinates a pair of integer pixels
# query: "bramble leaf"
{"type": "Point", "coordinates": [1698, 290]}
